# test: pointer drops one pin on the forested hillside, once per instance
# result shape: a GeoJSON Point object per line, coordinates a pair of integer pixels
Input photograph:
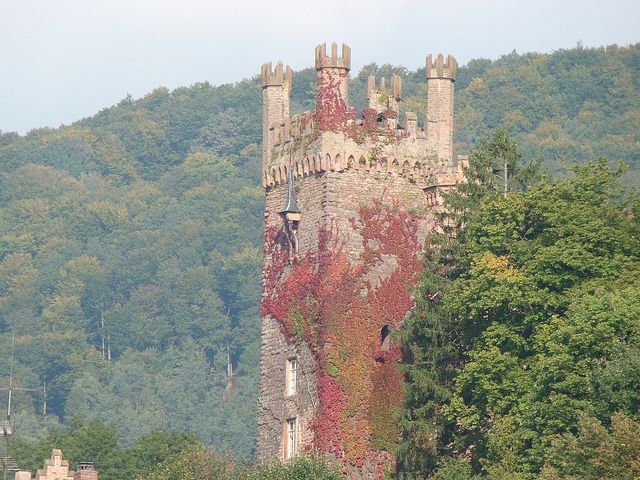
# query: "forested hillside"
{"type": "Point", "coordinates": [130, 242]}
{"type": "Point", "coordinates": [130, 267]}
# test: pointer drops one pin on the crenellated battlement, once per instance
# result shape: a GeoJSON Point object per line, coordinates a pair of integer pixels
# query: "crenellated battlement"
{"type": "Point", "coordinates": [302, 124]}
{"type": "Point", "coordinates": [282, 132]}
{"type": "Point", "coordinates": [333, 61]}
{"type": "Point", "coordinates": [385, 100]}
{"type": "Point", "coordinates": [276, 78]}
{"type": "Point", "coordinates": [420, 171]}
{"type": "Point", "coordinates": [395, 91]}
{"type": "Point", "coordinates": [441, 68]}
{"type": "Point", "coordinates": [378, 133]}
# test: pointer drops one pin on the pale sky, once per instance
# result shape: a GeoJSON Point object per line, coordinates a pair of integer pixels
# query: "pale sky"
{"type": "Point", "coordinates": [62, 60]}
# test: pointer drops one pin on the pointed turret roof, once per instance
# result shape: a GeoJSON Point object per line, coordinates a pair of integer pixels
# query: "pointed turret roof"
{"type": "Point", "coordinates": [291, 202]}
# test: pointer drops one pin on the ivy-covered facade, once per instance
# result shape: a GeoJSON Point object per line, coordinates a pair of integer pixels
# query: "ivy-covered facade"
{"type": "Point", "coordinates": [349, 204]}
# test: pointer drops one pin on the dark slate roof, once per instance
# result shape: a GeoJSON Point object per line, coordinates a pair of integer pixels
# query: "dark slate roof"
{"type": "Point", "coordinates": [291, 202]}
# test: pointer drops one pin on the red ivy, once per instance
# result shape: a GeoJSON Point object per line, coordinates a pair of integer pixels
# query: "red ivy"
{"type": "Point", "coordinates": [339, 310]}
{"type": "Point", "coordinates": [332, 111]}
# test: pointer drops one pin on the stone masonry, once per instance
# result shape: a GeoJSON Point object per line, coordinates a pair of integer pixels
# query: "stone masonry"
{"type": "Point", "coordinates": [57, 468]}
{"type": "Point", "coordinates": [340, 162]}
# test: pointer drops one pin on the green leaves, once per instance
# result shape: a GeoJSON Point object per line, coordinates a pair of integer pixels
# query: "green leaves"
{"type": "Point", "coordinates": [596, 452]}
{"type": "Point", "coordinates": [137, 232]}
{"type": "Point", "coordinates": [543, 297]}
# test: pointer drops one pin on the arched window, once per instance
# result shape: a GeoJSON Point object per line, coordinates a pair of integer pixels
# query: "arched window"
{"type": "Point", "coordinates": [385, 340]}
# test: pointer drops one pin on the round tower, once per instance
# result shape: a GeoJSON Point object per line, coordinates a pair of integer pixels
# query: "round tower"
{"type": "Point", "coordinates": [332, 87]}
{"type": "Point", "coordinates": [441, 75]}
{"type": "Point", "coordinates": [276, 86]}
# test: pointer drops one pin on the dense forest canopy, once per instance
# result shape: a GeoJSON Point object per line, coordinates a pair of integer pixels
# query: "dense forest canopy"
{"type": "Point", "coordinates": [526, 336]}
{"type": "Point", "coordinates": [130, 242]}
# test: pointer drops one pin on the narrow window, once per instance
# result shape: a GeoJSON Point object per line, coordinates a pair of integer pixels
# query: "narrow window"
{"type": "Point", "coordinates": [292, 376]}
{"type": "Point", "coordinates": [384, 339]}
{"type": "Point", "coordinates": [290, 438]}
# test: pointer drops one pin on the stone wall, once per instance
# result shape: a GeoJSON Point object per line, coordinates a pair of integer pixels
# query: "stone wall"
{"type": "Point", "coordinates": [329, 201]}
{"type": "Point", "coordinates": [57, 468]}
{"type": "Point", "coordinates": [274, 406]}
{"type": "Point", "coordinates": [439, 124]}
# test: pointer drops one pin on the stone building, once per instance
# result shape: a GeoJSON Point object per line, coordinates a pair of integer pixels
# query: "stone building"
{"type": "Point", "coordinates": [57, 468]}
{"type": "Point", "coordinates": [349, 202]}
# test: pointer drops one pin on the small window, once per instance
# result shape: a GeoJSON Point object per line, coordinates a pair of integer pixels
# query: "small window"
{"type": "Point", "coordinates": [292, 376]}
{"type": "Point", "coordinates": [290, 432]}
{"type": "Point", "coordinates": [385, 341]}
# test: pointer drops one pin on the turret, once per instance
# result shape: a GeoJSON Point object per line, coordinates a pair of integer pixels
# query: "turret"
{"type": "Point", "coordinates": [332, 87]}
{"type": "Point", "coordinates": [441, 76]}
{"type": "Point", "coordinates": [384, 100]}
{"type": "Point", "coordinates": [276, 86]}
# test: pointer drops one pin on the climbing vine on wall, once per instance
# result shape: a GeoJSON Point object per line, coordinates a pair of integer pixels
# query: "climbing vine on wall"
{"type": "Point", "coordinates": [339, 309]}
{"type": "Point", "coordinates": [334, 115]}
{"type": "Point", "coordinates": [332, 111]}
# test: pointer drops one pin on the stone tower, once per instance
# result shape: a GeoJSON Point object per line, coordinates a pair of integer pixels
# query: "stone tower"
{"type": "Point", "coordinates": [349, 202]}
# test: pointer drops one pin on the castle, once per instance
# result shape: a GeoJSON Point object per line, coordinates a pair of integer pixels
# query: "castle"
{"type": "Point", "coordinates": [349, 204]}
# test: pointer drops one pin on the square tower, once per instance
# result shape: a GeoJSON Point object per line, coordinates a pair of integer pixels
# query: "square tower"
{"type": "Point", "coordinates": [349, 203]}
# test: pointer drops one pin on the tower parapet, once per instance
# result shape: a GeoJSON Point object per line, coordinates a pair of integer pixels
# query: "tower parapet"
{"type": "Point", "coordinates": [396, 86]}
{"type": "Point", "coordinates": [86, 471]}
{"type": "Point", "coordinates": [276, 78]}
{"type": "Point", "coordinates": [382, 99]}
{"type": "Point", "coordinates": [333, 61]}
{"type": "Point", "coordinates": [276, 88]}
{"type": "Point", "coordinates": [442, 68]}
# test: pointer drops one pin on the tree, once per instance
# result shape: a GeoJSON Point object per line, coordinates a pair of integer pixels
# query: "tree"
{"type": "Point", "coordinates": [541, 293]}
{"type": "Point", "coordinates": [298, 468]}
{"type": "Point", "coordinates": [93, 441]}
{"type": "Point", "coordinates": [194, 463]}
{"type": "Point", "coordinates": [152, 450]}
{"type": "Point", "coordinates": [596, 452]}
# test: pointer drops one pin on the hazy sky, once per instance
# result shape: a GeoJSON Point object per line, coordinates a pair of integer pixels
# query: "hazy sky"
{"type": "Point", "coordinates": [61, 60]}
